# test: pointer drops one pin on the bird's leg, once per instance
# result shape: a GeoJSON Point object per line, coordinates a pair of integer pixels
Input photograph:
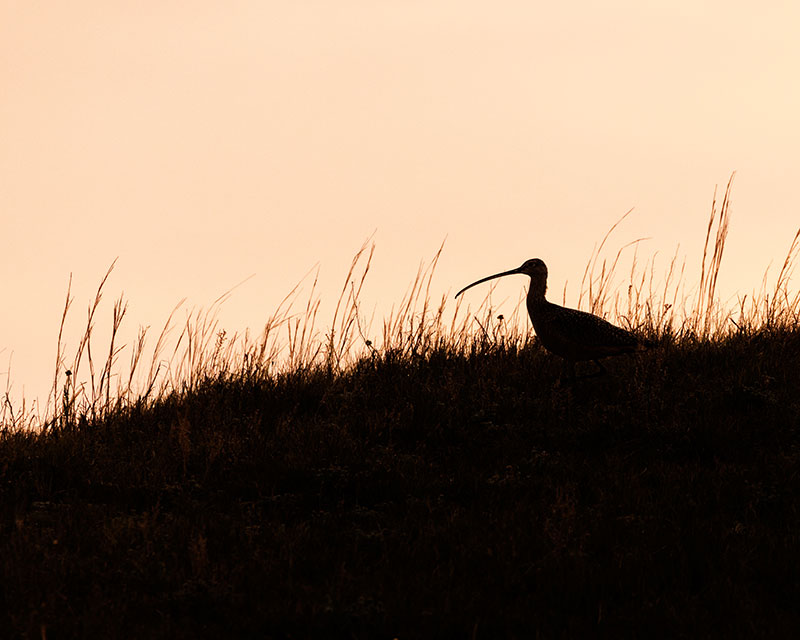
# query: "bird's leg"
{"type": "Point", "coordinates": [568, 374]}
{"type": "Point", "coordinates": [601, 371]}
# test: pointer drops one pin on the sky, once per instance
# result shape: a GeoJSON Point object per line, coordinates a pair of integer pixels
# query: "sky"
{"type": "Point", "coordinates": [201, 143]}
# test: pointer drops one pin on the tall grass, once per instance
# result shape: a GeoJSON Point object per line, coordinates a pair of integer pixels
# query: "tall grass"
{"type": "Point", "coordinates": [659, 302]}
{"type": "Point", "coordinates": [98, 379]}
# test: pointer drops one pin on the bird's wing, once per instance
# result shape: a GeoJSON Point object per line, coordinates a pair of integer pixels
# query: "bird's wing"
{"type": "Point", "coordinates": [593, 331]}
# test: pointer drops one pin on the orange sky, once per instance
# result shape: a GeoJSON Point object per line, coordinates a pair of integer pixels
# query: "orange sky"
{"type": "Point", "coordinates": [201, 142]}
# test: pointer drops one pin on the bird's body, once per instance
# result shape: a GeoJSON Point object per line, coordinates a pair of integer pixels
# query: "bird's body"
{"type": "Point", "coordinates": [574, 335]}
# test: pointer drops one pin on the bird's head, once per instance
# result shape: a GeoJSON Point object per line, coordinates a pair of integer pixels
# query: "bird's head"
{"type": "Point", "coordinates": [535, 268]}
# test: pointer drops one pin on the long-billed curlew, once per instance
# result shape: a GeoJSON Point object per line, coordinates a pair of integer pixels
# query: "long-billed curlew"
{"type": "Point", "coordinates": [574, 335]}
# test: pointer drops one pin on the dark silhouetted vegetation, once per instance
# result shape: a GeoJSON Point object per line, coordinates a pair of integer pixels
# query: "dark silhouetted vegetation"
{"type": "Point", "coordinates": [438, 482]}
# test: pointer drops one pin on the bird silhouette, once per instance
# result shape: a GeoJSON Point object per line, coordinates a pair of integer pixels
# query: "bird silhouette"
{"type": "Point", "coordinates": [574, 335]}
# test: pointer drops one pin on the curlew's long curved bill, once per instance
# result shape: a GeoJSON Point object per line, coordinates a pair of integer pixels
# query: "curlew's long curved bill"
{"type": "Point", "coordinates": [496, 275]}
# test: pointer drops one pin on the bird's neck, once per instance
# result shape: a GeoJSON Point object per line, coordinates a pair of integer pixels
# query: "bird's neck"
{"type": "Point", "coordinates": [537, 290]}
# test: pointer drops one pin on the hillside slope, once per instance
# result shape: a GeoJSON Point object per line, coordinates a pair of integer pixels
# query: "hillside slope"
{"type": "Point", "coordinates": [460, 494]}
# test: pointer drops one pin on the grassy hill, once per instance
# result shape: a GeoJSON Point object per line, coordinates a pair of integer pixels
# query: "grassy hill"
{"type": "Point", "coordinates": [459, 493]}
{"type": "Point", "coordinates": [439, 483]}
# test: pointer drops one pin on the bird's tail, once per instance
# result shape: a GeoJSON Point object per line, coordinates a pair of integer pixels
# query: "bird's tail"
{"type": "Point", "coordinates": [645, 344]}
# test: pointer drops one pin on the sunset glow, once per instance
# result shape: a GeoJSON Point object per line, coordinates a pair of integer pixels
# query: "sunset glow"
{"type": "Point", "coordinates": [203, 142]}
